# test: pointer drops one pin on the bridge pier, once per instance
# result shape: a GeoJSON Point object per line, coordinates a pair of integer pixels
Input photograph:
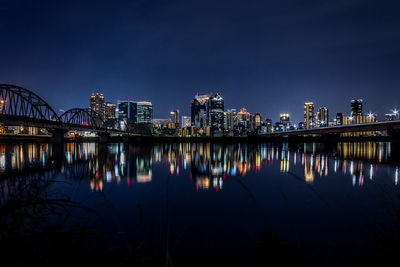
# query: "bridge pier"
{"type": "Point", "coordinates": [58, 136]}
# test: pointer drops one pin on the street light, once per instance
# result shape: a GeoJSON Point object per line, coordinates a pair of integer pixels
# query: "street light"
{"type": "Point", "coordinates": [396, 113]}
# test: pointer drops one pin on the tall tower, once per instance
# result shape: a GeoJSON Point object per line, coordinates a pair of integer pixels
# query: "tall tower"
{"type": "Point", "coordinates": [215, 112]}
{"type": "Point", "coordinates": [199, 110]}
{"type": "Point", "coordinates": [322, 117]}
{"type": "Point", "coordinates": [356, 107]}
{"type": "Point", "coordinates": [309, 115]}
{"type": "Point", "coordinates": [97, 104]}
{"type": "Point", "coordinates": [109, 111]}
{"type": "Point", "coordinates": [174, 116]}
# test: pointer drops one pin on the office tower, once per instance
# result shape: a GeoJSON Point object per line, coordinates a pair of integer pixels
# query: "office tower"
{"type": "Point", "coordinates": [229, 119]}
{"type": "Point", "coordinates": [186, 122]}
{"type": "Point", "coordinates": [268, 124]}
{"type": "Point", "coordinates": [215, 112]}
{"type": "Point", "coordinates": [339, 118]}
{"type": "Point", "coordinates": [208, 110]}
{"type": "Point", "coordinates": [144, 112]}
{"type": "Point", "coordinates": [243, 118]}
{"type": "Point", "coordinates": [309, 115]}
{"type": "Point", "coordinates": [356, 107]}
{"type": "Point", "coordinates": [174, 117]}
{"type": "Point", "coordinates": [284, 118]}
{"type": "Point", "coordinates": [126, 113]}
{"type": "Point", "coordinates": [131, 112]}
{"type": "Point", "coordinates": [109, 111]}
{"type": "Point", "coordinates": [257, 121]}
{"type": "Point", "coordinates": [322, 117]}
{"type": "Point", "coordinates": [199, 110]}
{"type": "Point", "coordinates": [97, 105]}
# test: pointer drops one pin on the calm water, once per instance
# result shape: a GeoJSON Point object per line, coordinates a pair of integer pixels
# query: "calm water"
{"type": "Point", "coordinates": [199, 204]}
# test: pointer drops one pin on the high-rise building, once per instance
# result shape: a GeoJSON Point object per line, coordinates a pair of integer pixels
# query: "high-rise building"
{"type": "Point", "coordinates": [339, 118]}
{"type": "Point", "coordinates": [257, 120]}
{"type": "Point", "coordinates": [132, 112]}
{"type": "Point", "coordinates": [229, 119]}
{"type": "Point", "coordinates": [186, 122]}
{"type": "Point", "coordinates": [208, 110]}
{"type": "Point", "coordinates": [284, 118]}
{"type": "Point", "coordinates": [127, 113]}
{"type": "Point", "coordinates": [268, 124]}
{"type": "Point", "coordinates": [174, 116]}
{"type": "Point", "coordinates": [309, 115]}
{"type": "Point", "coordinates": [109, 111]}
{"type": "Point", "coordinates": [215, 112]}
{"type": "Point", "coordinates": [97, 105]}
{"type": "Point", "coordinates": [322, 117]}
{"type": "Point", "coordinates": [144, 112]}
{"type": "Point", "coordinates": [243, 118]}
{"type": "Point", "coordinates": [356, 107]}
{"type": "Point", "coordinates": [199, 110]}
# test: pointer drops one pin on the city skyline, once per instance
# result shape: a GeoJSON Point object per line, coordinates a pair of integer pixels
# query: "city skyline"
{"type": "Point", "coordinates": [269, 57]}
{"type": "Point", "coordinates": [331, 112]}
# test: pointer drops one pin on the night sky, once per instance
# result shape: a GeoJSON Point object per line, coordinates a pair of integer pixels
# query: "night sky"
{"type": "Point", "coordinates": [267, 56]}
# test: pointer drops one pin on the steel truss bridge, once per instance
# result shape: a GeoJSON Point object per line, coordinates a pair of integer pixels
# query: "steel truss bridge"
{"type": "Point", "coordinates": [20, 106]}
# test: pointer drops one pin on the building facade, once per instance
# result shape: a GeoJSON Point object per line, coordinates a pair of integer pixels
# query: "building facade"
{"type": "Point", "coordinates": [109, 111]}
{"type": "Point", "coordinates": [97, 105]}
{"type": "Point", "coordinates": [186, 122]}
{"type": "Point", "coordinates": [322, 117]}
{"type": "Point", "coordinates": [356, 107]}
{"type": "Point", "coordinates": [309, 115]}
{"type": "Point", "coordinates": [131, 112]}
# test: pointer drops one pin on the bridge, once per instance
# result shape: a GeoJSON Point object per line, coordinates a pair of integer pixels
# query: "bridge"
{"type": "Point", "coordinates": [20, 106]}
{"type": "Point", "coordinates": [391, 128]}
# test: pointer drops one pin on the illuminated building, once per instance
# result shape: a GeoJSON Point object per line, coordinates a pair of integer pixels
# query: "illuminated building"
{"type": "Point", "coordinates": [243, 118]}
{"type": "Point", "coordinates": [359, 119]}
{"type": "Point", "coordinates": [284, 119]}
{"type": "Point", "coordinates": [208, 110]}
{"type": "Point", "coordinates": [356, 107]}
{"type": "Point", "coordinates": [186, 122]}
{"type": "Point", "coordinates": [390, 117]}
{"type": "Point", "coordinates": [322, 117]}
{"type": "Point", "coordinates": [131, 112]}
{"type": "Point", "coordinates": [109, 110]}
{"type": "Point", "coordinates": [229, 119]}
{"type": "Point", "coordinates": [309, 115]}
{"type": "Point", "coordinates": [199, 110]}
{"type": "Point", "coordinates": [257, 121]}
{"type": "Point", "coordinates": [215, 113]}
{"type": "Point", "coordinates": [339, 118]}
{"type": "Point", "coordinates": [126, 113]}
{"type": "Point", "coordinates": [144, 112]}
{"type": "Point", "coordinates": [268, 124]}
{"type": "Point", "coordinates": [97, 104]}
{"type": "Point", "coordinates": [174, 117]}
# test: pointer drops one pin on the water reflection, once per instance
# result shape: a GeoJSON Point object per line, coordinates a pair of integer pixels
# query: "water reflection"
{"type": "Point", "coordinates": [206, 164]}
